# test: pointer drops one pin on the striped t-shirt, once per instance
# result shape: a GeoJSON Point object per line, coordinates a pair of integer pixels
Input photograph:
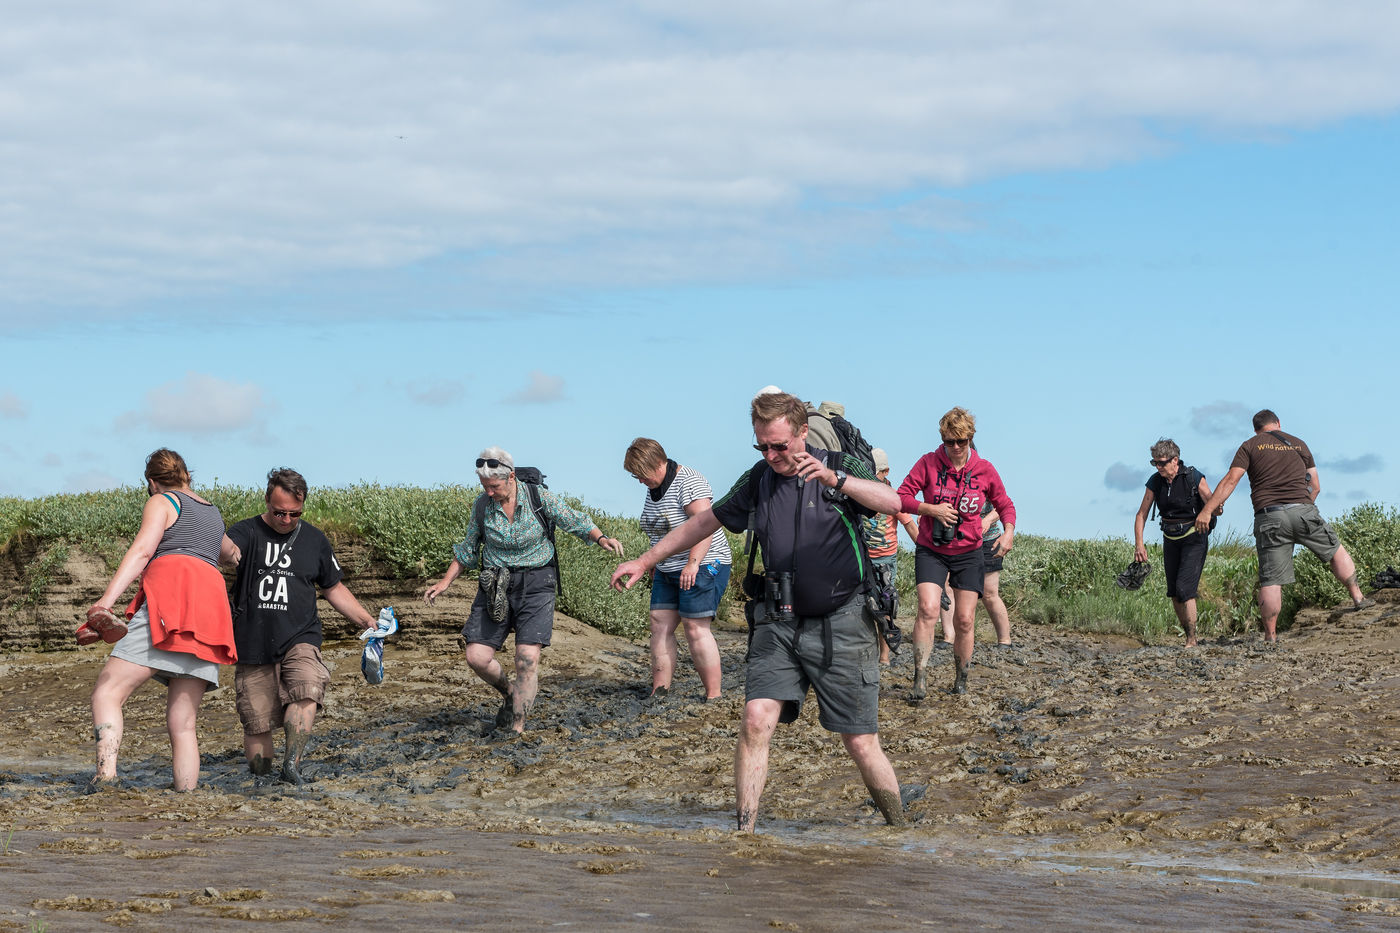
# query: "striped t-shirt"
{"type": "Point", "coordinates": [198, 530]}
{"type": "Point", "coordinates": [659, 516]}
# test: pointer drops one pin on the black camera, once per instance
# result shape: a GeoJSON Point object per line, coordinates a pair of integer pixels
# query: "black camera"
{"type": "Point", "coordinates": [944, 533]}
{"type": "Point", "coordinates": [777, 593]}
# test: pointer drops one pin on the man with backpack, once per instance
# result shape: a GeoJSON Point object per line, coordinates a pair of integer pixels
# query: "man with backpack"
{"type": "Point", "coordinates": [1177, 492]}
{"type": "Point", "coordinates": [1283, 488]}
{"type": "Point", "coordinates": [511, 540]}
{"type": "Point", "coordinates": [811, 629]}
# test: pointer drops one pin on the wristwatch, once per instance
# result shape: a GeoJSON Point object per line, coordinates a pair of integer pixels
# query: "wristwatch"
{"type": "Point", "coordinates": [840, 480]}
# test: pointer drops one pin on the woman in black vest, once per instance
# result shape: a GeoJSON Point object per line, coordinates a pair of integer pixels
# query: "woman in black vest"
{"type": "Point", "coordinates": [1178, 492]}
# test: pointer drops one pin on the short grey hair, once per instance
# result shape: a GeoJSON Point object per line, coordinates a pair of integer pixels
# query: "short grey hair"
{"type": "Point", "coordinates": [1165, 449]}
{"type": "Point", "coordinates": [506, 468]}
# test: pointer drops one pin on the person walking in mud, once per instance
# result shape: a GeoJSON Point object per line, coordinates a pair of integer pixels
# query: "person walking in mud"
{"type": "Point", "coordinates": [953, 482]}
{"type": "Point", "coordinates": [511, 540]}
{"type": "Point", "coordinates": [176, 554]}
{"type": "Point", "coordinates": [813, 631]}
{"type": "Point", "coordinates": [1283, 488]}
{"type": "Point", "coordinates": [685, 589]}
{"type": "Point", "coordinates": [280, 679]}
{"type": "Point", "coordinates": [1179, 493]}
{"type": "Point", "coordinates": [882, 535]}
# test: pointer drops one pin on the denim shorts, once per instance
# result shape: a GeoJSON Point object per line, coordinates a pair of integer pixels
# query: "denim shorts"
{"type": "Point", "coordinates": [701, 601]}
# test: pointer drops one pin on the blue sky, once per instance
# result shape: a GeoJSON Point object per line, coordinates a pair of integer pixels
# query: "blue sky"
{"type": "Point", "coordinates": [366, 240]}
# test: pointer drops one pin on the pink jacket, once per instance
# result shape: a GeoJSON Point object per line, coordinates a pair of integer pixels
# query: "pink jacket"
{"type": "Point", "coordinates": [934, 480]}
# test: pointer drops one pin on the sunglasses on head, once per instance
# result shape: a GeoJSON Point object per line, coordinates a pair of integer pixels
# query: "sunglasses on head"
{"type": "Point", "coordinates": [1161, 462]}
{"type": "Point", "coordinates": [764, 448]}
{"type": "Point", "coordinates": [491, 462]}
{"type": "Point", "coordinates": [284, 513]}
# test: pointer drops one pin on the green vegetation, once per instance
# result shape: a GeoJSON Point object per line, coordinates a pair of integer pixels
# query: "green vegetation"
{"type": "Point", "coordinates": [1067, 583]}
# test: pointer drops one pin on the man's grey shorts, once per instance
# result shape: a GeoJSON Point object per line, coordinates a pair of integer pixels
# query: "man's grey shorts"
{"type": "Point", "coordinates": [530, 612]}
{"type": "Point", "coordinates": [785, 659]}
{"type": "Point", "coordinates": [1276, 533]}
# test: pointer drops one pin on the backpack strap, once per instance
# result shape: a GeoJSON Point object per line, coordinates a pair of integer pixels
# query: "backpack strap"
{"type": "Point", "coordinates": [547, 523]}
{"type": "Point", "coordinates": [173, 501]}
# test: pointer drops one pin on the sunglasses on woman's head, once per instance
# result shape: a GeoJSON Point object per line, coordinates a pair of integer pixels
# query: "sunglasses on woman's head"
{"type": "Point", "coordinates": [491, 462]}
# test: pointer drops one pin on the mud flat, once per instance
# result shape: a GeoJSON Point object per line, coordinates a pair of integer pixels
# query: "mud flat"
{"type": "Point", "coordinates": [1084, 783]}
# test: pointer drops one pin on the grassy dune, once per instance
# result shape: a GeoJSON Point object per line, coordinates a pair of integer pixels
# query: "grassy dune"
{"type": "Point", "coordinates": [1048, 581]}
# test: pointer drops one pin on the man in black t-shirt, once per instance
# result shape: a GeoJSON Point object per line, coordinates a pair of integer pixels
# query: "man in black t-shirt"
{"type": "Point", "coordinates": [813, 550]}
{"type": "Point", "coordinates": [280, 678]}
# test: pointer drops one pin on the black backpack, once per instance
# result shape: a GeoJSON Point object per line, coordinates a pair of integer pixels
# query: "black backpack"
{"type": "Point", "coordinates": [533, 481]}
{"type": "Point", "coordinates": [851, 440]}
{"type": "Point", "coordinates": [1193, 482]}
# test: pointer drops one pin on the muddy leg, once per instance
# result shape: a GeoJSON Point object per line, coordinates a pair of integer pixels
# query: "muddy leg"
{"type": "Point", "coordinates": [527, 683]}
{"type": "Point", "coordinates": [964, 616]}
{"type": "Point", "coordinates": [296, 726]}
{"type": "Point", "coordinates": [925, 623]}
{"type": "Point", "coordinates": [118, 680]}
{"type": "Point", "coordinates": [1270, 604]}
{"type": "Point", "coordinates": [481, 658]}
{"type": "Point", "coordinates": [704, 654]}
{"type": "Point", "coordinates": [1186, 615]}
{"type": "Point", "coordinates": [751, 759]}
{"type": "Point", "coordinates": [878, 774]}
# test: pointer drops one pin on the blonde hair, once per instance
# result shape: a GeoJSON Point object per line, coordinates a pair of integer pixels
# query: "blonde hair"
{"type": "Point", "coordinates": [643, 456]}
{"type": "Point", "coordinates": [957, 424]}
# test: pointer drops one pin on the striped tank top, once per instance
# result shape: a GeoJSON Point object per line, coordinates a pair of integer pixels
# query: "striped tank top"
{"type": "Point", "coordinates": [198, 530]}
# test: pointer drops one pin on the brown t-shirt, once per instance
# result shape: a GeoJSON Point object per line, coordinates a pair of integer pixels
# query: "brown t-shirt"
{"type": "Point", "coordinates": [1277, 467]}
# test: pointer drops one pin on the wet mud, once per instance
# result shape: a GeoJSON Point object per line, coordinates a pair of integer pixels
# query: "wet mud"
{"type": "Point", "coordinates": [1080, 783]}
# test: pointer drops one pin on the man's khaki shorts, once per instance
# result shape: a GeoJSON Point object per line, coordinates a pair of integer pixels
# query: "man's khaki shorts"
{"type": "Point", "coordinates": [262, 691]}
{"type": "Point", "coordinates": [1278, 531]}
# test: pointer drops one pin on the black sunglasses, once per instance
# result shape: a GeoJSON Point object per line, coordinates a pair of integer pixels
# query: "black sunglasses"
{"type": "Point", "coordinates": [764, 448]}
{"type": "Point", "coordinates": [283, 513]}
{"type": "Point", "coordinates": [1161, 462]}
{"type": "Point", "coordinates": [491, 462]}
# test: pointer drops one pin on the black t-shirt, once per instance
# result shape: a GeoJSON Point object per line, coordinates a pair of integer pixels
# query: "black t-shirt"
{"type": "Point", "coordinates": [801, 529]}
{"type": "Point", "coordinates": [282, 612]}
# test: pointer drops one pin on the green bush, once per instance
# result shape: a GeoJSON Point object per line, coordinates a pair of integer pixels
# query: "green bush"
{"type": "Point", "coordinates": [1068, 583]}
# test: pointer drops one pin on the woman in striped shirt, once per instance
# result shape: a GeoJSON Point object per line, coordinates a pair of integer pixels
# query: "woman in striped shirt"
{"type": "Point", "coordinates": [687, 587]}
{"type": "Point", "coordinates": [178, 628]}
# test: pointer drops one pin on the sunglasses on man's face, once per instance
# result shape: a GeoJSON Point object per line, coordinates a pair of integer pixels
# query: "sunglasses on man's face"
{"type": "Point", "coordinates": [491, 462]}
{"type": "Point", "coordinates": [764, 448]}
{"type": "Point", "coordinates": [284, 513]}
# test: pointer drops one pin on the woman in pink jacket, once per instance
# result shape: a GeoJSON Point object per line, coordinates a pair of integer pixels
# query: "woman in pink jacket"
{"type": "Point", "coordinates": [953, 482]}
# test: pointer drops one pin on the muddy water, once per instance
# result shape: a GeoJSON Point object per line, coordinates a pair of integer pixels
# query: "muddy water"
{"type": "Point", "coordinates": [1082, 784]}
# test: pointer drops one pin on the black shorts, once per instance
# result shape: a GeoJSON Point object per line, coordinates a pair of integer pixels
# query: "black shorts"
{"type": "Point", "coordinates": [530, 611]}
{"type": "Point", "coordinates": [991, 564]}
{"type": "Point", "coordinates": [963, 571]}
{"type": "Point", "coordinates": [1183, 560]}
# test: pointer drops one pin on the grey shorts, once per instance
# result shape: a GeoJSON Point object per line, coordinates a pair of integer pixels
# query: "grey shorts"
{"type": "Point", "coordinates": [785, 659]}
{"type": "Point", "coordinates": [1279, 529]}
{"type": "Point", "coordinates": [530, 613]}
{"type": "Point", "coordinates": [135, 646]}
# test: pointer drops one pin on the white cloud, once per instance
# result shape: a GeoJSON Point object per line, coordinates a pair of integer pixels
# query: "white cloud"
{"type": "Point", "coordinates": [1123, 478]}
{"type": "Point", "coordinates": [12, 406]}
{"type": "Point", "coordinates": [156, 149]}
{"type": "Point", "coordinates": [542, 389]}
{"type": "Point", "coordinates": [1223, 419]}
{"type": "Point", "coordinates": [201, 404]}
{"type": "Point", "coordinates": [437, 393]}
{"type": "Point", "coordinates": [1366, 463]}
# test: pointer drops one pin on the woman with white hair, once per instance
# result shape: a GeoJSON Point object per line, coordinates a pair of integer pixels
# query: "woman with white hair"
{"type": "Point", "coordinates": [511, 540]}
